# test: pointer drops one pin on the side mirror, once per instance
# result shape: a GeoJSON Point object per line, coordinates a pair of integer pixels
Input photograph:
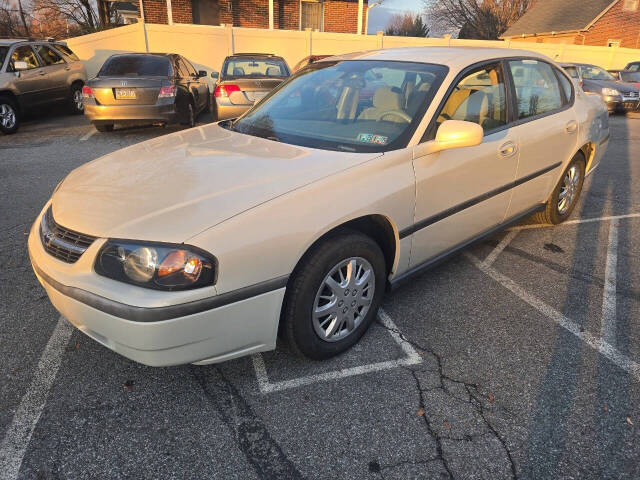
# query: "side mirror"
{"type": "Point", "coordinates": [215, 75]}
{"type": "Point", "coordinates": [20, 65]}
{"type": "Point", "coordinates": [453, 134]}
{"type": "Point", "coordinates": [202, 73]}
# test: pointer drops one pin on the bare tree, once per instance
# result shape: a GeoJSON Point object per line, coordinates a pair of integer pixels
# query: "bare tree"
{"type": "Point", "coordinates": [15, 20]}
{"type": "Point", "coordinates": [479, 19]}
{"type": "Point", "coordinates": [407, 25]}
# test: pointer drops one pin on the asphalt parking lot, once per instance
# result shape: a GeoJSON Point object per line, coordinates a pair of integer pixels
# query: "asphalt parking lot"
{"type": "Point", "coordinates": [519, 358]}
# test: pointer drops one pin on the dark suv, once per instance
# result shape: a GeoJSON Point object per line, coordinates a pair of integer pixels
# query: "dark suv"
{"type": "Point", "coordinates": [37, 73]}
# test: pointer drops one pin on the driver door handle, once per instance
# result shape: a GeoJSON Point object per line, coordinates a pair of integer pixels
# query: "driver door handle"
{"type": "Point", "coordinates": [508, 149]}
{"type": "Point", "coordinates": [572, 126]}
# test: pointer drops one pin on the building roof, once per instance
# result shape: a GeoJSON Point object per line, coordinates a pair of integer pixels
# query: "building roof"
{"type": "Point", "coordinates": [547, 16]}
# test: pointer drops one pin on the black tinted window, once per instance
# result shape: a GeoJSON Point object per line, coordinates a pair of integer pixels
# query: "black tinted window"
{"type": "Point", "coordinates": [67, 51]}
{"type": "Point", "coordinates": [136, 66]}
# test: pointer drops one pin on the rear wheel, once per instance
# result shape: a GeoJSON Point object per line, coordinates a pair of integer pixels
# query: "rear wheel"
{"type": "Point", "coordinates": [75, 102]}
{"type": "Point", "coordinates": [334, 295]}
{"type": "Point", "coordinates": [9, 118]}
{"type": "Point", "coordinates": [564, 197]}
{"type": "Point", "coordinates": [104, 127]}
{"type": "Point", "coordinates": [190, 116]}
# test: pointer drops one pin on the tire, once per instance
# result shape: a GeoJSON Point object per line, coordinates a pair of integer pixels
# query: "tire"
{"type": "Point", "coordinates": [9, 116]}
{"type": "Point", "coordinates": [104, 127]}
{"type": "Point", "coordinates": [553, 213]}
{"type": "Point", "coordinates": [308, 291]}
{"type": "Point", "coordinates": [190, 119]}
{"type": "Point", "coordinates": [76, 106]}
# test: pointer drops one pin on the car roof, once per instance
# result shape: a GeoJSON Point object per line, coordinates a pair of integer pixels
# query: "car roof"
{"type": "Point", "coordinates": [458, 57]}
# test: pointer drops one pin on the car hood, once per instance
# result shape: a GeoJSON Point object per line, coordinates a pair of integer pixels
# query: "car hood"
{"type": "Point", "coordinates": [616, 84]}
{"type": "Point", "coordinates": [175, 186]}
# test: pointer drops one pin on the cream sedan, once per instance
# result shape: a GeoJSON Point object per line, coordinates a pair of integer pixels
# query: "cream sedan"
{"type": "Point", "coordinates": [356, 173]}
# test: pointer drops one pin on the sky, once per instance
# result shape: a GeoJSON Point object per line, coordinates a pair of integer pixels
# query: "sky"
{"type": "Point", "coordinates": [379, 16]}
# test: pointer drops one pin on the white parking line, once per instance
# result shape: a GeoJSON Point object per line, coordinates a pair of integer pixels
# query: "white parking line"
{"type": "Point", "coordinates": [18, 435]}
{"type": "Point", "coordinates": [412, 358]}
{"type": "Point", "coordinates": [600, 345]}
{"type": "Point", "coordinates": [495, 253]}
{"type": "Point", "coordinates": [576, 222]}
{"type": "Point", "coordinates": [608, 325]}
{"type": "Point", "coordinates": [88, 135]}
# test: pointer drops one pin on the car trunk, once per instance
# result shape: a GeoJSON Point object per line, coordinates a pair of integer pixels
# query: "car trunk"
{"type": "Point", "coordinates": [127, 90]}
{"type": "Point", "coordinates": [251, 89]}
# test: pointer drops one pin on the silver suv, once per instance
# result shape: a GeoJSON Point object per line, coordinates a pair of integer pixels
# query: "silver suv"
{"type": "Point", "coordinates": [37, 73]}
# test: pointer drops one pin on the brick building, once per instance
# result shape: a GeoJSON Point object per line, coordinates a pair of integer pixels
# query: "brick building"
{"type": "Point", "coordinates": [323, 15]}
{"type": "Point", "coordinates": [580, 22]}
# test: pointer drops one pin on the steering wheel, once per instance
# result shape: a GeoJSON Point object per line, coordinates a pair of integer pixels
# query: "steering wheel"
{"type": "Point", "coordinates": [397, 113]}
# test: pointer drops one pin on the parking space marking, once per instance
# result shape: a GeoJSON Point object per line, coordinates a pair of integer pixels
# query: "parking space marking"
{"type": "Point", "coordinates": [599, 344]}
{"type": "Point", "coordinates": [495, 253]}
{"type": "Point", "coordinates": [576, 222]}
{"type": "Point", "coordinates": [88, 135]}
{"type": "Point", "coordinates": [412, 358]}
{"type": "Point", "coordinates": [608, 325]}
{"type": "Point", "coordinates": [18, 435]}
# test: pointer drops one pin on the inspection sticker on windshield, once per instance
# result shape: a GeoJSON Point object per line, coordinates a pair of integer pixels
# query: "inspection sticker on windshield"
{"type": "Point", "coordinates": [371, 138]}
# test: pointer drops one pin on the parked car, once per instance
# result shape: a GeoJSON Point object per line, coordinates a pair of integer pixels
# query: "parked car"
{"type": "Point", "coordinates": [300, 214]}
{"type": "Point", "coordinates": [619, 96]}
{"type": "Point", "coordinates": [36, 74]}
{"type": "Point", "coordinates": [308, 60]}
{"type": "Point", "coordinates": [633, 67]}
{"type": "Point", "coordinates": [627, 76]}
{"type": "Point", "coordinates": [134, 88]}
{"type": "Point", "coordinates": [245, 79]}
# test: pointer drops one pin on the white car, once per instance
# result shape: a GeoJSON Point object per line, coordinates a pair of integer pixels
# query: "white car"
{"type": "Point", "coordinates": [357, 172]}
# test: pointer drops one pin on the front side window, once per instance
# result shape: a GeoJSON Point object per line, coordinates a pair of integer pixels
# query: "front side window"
{"type": "Point", "coordinates": [48, 56]}
{"type": "Point", "coordinates": [591, 72]}
{"type": "Point", "coordinates": [235, 67]}
{"type": "Point", "coordinates": [634, 67]}
{"type": "Point", "coordinates": [356, 105]}
{"type": "Point", "coordinates": [25, 54]}
{"type": "Point", "coordinates": [480, 97]}
{"type": "Point", "coordinates": [136, 66]}
{"type": "Point", "coordinates": [537, 88]}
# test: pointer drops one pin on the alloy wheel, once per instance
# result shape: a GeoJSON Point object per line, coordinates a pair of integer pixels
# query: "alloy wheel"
{"type": "Point", "coordinates": [343, 299]}
{"type": "Point", "coordinates": [77, 100]}
{"type": "Point", "coordinates": [569, 189]}
{"type": "Point", "coordinates": [7, 116]}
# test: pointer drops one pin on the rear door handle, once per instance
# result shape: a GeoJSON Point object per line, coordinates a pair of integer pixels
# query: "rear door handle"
{"type": "Point", "coordinates": [572, 126]}
{"type": "Point", "coordinates": [508, 149]}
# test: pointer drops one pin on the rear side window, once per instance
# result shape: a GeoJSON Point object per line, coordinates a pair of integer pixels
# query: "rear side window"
{"type": "Point", "coordinates": [572, 71]}
{"type": "Point", "coordinates": [48, 56]}
{"type": "Point", "coordinates": [480, 97]}
{"type": "Point", "coordinates": [67, 51]}
{"type": "Point", "coordinates": [537, 88]}
{"type": "Point", "coordinates": [136, 66]}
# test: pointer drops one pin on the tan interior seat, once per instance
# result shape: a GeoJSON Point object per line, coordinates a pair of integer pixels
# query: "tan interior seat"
{"type": "Point", "coordinates": [384, 100]}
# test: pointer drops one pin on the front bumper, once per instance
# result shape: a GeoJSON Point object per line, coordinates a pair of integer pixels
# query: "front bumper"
{"type": "Point", "coordinates": [231, 329]}
{"type": "Point", "coordinates": [121, 113]}
{"type": "Point", "coordinates": [620, 104]}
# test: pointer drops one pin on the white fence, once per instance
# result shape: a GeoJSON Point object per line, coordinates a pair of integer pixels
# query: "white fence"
{"type": "Point", "coordinates": [207, 46]}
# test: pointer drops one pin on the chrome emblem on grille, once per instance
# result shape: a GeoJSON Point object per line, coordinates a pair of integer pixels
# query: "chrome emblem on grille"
{"type": "Point", "coordinates": [123, 83]}
{"type": "Point", "coordinates": [258, 84]}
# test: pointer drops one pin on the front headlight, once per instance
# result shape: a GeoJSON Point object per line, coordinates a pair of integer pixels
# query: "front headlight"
{"type": "Point", "coordinates": [160, 266]}
{"type": "Point", "coordinates": [611, 92]}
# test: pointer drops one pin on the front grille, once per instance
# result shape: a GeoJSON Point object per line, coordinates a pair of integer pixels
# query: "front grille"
{"type": "Point", "coordinates": [60, 242]}
{"type": "Point", "coordinates": [630, 95]}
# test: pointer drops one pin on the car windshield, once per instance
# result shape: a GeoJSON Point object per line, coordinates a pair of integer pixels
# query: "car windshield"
{"type": "Point", "coordinates": [136, 66]}
{"type": "Point", "coordinates": [591, 72]}
{"type": "Point", "coordinates": [3, 54]}
{"type": "Point", "coordinates": [356, 105]}
{"type": "Point", "coordinates": [255, 67]}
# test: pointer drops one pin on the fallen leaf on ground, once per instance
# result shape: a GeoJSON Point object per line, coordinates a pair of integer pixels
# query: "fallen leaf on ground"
{"type": "Point", "coordinates": [421, 412]}
{"type": "Point", "coordinates": [629, 421]}
{"type": "Point", "coordinates": [128, 385]}
{"type": "Point", "coordinates": [490, 398]}
{"type": "Point", "coordinates": [446, 424]}
{"type": "Point", "coordinates": [582, 329]}
{"type": "Point", "coordinates": [605, 408]}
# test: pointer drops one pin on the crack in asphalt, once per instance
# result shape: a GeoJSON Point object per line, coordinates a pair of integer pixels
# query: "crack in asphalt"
{"type": "Point", "coordinates": [252, 436]}
{"type": "Point", "coordinates": [475, 400]}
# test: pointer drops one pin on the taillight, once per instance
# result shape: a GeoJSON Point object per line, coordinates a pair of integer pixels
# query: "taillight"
{"type": "Point", "coordinates": [225, 90]}
{"type": "Point", "coordinates": [168, 92]}
{"type": "Point", "coordinates": [87, 92]}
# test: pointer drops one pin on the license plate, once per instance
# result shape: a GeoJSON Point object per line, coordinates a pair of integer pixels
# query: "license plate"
{"type": "Point", "coordinates": [125, 93]}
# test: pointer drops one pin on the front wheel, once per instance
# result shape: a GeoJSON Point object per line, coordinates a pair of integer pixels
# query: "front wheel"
{"type": "Point", "coordinates": [334, 295]}
{"type": "Point", "coordinates": [9, 119]}
{"type": "Point", "coordinates": [564, 197]}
